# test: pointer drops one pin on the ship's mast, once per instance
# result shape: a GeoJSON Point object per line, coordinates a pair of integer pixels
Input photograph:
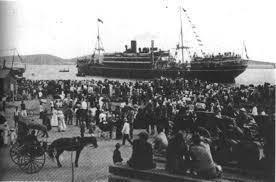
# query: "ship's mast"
{"type": "Point", "coordinates": [12, 59]}
{"type": "Point", "coordinates": [98, 38]}
{"type": "Point", "coordinates": [99, 46]}
{"type": "Point", "coordinates": [181, 34]}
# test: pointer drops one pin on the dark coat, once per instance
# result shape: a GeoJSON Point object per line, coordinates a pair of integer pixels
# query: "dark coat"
{"type": "Point", "coordinates": [142, 156]}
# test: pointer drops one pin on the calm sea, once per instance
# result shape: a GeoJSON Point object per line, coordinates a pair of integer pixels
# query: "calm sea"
{"type": "Point", "coordinates": [51, 72]}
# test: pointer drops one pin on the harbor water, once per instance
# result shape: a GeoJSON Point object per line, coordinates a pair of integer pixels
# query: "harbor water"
{"type": "Point", "coordinates": [52, 72]}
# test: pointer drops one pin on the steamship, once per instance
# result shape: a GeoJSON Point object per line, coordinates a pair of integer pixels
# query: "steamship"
{"type": "Point", "coordinates": [149, 63]}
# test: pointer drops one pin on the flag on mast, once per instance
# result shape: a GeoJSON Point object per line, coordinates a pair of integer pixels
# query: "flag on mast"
{"type": "Point", "coordinates": [99, 20]}
{"type": "Point", "coordinates": [245, 50]}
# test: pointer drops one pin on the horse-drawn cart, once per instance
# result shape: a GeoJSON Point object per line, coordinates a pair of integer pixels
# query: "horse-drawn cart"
{"type": "Point", "coordinates": [29, 150]}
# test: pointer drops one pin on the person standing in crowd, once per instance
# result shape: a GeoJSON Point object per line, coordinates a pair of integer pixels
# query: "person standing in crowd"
{"type": "Point", "coordinates": [84, 105]}
{"type": "Point", "coordinates": [202, 160]}
{"type": "Point", "coordinates": [4, 100]}
{"type": "Point", "coordinates": [142, 155]}
{"type": "Point", "coordinates": [91, 122]}
{"type": "Point", "coordinates": [52, 105]}
{"type": "Point", "coordinates": [125, 132]}
{"type": "Point", "coordinates": [13, 136]}
{"type": "Point", "coordinates": [54, 119]}
{"type": "Point", "coordinates": [61, 122]}
{"type": "Point", "coordinates": [78, 114]}
{"type": "Point", "coordinates": [16, 116]}
{"type": "Point", "coordinates": [6, 133]}
{"type": "Point", "coordinates": [41, 110]}
{"type": "Point", "coordinates": [23, 109]}
{"type": "Point", "coordinates": [130, 118]}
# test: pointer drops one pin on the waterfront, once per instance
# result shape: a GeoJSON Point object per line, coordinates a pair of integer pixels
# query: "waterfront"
{"type": "Point", "coordinates": [94, 162]}
{"type": "Point", "coordinates": [51, 72]}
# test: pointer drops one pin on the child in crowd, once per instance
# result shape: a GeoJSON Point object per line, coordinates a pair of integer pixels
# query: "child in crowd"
{"type": "Point", "coordinates": [117, 154]}
{"type": "Point", "coordinates": [13, 136]}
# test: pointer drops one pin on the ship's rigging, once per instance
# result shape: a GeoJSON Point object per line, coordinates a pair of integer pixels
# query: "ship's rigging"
{"type": "Point", "coordinates": [183, 13]}
{"type": "Point", "coordinates": [99, 44]}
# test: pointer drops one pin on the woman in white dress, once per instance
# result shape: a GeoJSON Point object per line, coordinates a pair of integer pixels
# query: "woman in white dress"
{"type": "Point", "coordinates": [54, 120]}
{"type": "Point", "coordinates": [61, 121]}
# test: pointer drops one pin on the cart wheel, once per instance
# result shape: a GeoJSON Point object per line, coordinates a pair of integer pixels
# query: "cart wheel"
{"type": "Point", "coordinates": [32, 164]}
{"type": "Point", "coordinates": [15, 153]}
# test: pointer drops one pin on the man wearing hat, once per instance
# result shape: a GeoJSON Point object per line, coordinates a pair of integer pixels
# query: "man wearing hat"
{"type": "Point", "coordinates": [126, 132]}
{"type": "Point", "coordinates": [244, 119]}
{"type": "Point", "coordinates": [142, 155]}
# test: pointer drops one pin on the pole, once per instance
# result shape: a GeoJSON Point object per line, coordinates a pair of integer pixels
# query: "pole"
{"type": "Point", "coordinates": [72, 166]}
{"type": "Point", "coordinates": [152, 53]}
{"type": "Point", "coordinates": [98, 39]}
{"type": "Point", "coordinates": [181, 34]}
{"type": "Point", "coordinates": [12, 59]}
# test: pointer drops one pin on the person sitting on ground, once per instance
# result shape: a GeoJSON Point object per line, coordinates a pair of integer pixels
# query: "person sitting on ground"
{"type": "Point", "coordinates": [160, 141]}
{"type": "Point", "coordinates": [142, 156]}
{"type": "Point", "coordinates": [202, 160]}
{"type": "Point", "coordinates": [176, 151]}
{"type": "Point", "coordinates": [117, 158]}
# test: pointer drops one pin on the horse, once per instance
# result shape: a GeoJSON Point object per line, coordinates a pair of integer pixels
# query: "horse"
{"type": "Point", "coordinates": [60, 145]}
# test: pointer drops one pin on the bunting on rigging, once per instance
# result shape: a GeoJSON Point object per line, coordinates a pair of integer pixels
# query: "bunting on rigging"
{"type": "Point", "coordinates": [197, 38]}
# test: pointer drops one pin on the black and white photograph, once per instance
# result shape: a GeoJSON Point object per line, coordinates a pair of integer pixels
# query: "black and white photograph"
{"type": "Point", "coordinates": [137, 90]}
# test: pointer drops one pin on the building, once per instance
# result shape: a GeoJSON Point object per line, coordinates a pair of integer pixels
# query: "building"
{"type": "Point", "coordinates": [8, 83]}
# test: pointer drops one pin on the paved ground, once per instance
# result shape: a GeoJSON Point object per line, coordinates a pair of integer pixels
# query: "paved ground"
{"type": "Point", "coordinates": [93, 163]}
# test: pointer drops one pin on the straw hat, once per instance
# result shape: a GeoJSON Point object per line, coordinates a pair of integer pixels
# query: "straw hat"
{"type": "Point", "coordinates": [59, 112]}
{"type": "Point", "coordinates": [243, 109]}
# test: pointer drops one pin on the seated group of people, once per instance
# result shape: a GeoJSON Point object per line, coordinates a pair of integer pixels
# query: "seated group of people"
{"type": "Point", "coordinates": [181, 158]}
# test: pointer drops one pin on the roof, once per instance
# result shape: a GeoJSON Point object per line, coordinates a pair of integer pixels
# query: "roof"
{"type": "Point", "coordinates": [32, 124]}
{"type": "Point", "coordinates": [4, 73]}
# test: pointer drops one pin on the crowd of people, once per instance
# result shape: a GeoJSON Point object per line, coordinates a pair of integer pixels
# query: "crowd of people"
{"type": "Point", "coordinates": [155, 105]}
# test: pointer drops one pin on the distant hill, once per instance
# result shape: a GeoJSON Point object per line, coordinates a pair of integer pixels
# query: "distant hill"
{"type": "Point", "coordinates": [37, 59]}
{"type": "Point", "coordinates": [261, 64]}
{"type": "Point", "coordinates": [45, 59]}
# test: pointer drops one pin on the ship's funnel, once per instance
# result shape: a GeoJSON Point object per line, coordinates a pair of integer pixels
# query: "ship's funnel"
{"type": "Point", "coordinates": [133, 46]}
{"type": "Point", "coordinates": [152, 44]}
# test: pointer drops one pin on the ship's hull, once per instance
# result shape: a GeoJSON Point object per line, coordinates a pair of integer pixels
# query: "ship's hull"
{"type": "Point", "coordinates": [219, 74]}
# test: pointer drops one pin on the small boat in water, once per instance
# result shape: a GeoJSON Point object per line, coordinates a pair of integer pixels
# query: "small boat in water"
{"type": "Point", "coordinates": [64, 70]}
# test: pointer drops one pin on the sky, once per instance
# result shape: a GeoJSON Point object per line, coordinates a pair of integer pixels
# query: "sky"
{"type": "Point", "coordinates": [68, 28]}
